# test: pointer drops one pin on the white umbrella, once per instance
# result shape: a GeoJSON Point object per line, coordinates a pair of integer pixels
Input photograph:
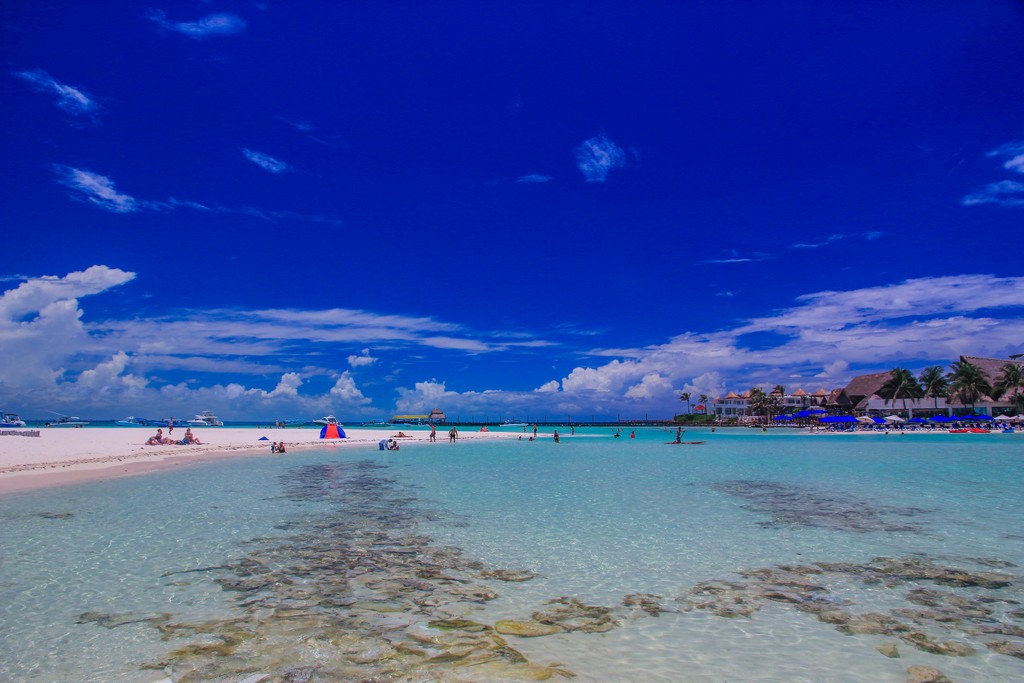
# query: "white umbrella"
{"type": "Point", "coordinates": [1019, 418]}
{"type": "Point", "coordinates": [893, 418]}
{"type": "Point", "coordinates": [1004, 418]}
{"type": "Point", "coordinates": [866, 419]}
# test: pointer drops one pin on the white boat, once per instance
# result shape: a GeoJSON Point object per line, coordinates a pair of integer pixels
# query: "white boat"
{"type": "Point", "coordinates": [327, 420]}
{"type": "Point", "coordinates": [377, 423]}
{"type": "Point", "coordinates": [512, 423]}
{"type": "Point", "coordinates": [131, 422]}
{"type": "Point", "coordinates": [66, 421]}
{"type": "Point", "coordinates": [205, 419]}
{"type": "Point", "coordinates": [11, 420]}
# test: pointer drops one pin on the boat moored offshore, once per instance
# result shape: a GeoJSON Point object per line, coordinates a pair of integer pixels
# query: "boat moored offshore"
{"type": "Point", "coordinates": [205, 419]}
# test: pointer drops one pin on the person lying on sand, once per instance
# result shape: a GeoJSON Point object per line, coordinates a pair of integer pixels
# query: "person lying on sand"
{"type": "Point", "coordinates": [158, 439]}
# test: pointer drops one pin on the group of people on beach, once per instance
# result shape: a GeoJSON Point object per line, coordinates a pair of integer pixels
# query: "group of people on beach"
{"type": "Point", "coordinates": [277, 447]}
{"type": "Point", "coordinates": [159, 439]}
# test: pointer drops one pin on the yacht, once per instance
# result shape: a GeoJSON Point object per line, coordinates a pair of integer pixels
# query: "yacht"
{"type": "Point", "coordinates": [377, 423]}
{"type": "Point", "coordinates": [326, 420]}
{"type": "Point", "coordinates": [205, 419]}
{"type": "Point", "coordinates": [11, 420]}
{"type": "Point", "coordinates": [513, 423]}
{"type": "Point", "coordinates": [131, 422]}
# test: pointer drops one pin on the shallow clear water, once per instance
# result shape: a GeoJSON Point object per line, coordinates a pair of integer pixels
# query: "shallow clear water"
{"type": "Point", "coordinates": [596, 518]}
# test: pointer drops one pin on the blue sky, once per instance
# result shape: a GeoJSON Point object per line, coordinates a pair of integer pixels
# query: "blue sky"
{"type": "Point", "coordinates": [279, 210]}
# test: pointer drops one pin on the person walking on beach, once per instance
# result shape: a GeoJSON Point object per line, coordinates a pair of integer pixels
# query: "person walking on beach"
{"type": "Point", "coordinates": [453, 434]}
{"type": "Point", "coordinates": [433, 433]}
{"type": "Point", "coordinates": [170, 426]}
{"type": "Point", "coordinates": [535, 431]}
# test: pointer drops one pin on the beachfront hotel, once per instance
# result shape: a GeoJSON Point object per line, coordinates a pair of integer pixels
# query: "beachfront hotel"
{"type": "Point", "coordinates": [861, 397]}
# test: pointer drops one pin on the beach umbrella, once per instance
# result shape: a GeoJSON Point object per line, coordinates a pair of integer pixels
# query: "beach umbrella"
{"type": "Point", "coordinates": [332, 431]}
{"type": "Point", "coordinates": [893, 418]}
{"type": "Point", "coordinates": [783, 418]}
{"type": "Point", "coordinates": [867, 419]}
{"type": "Point", "coordinates": [1003, 418]}
{"type": "Point", "coordinates": [837, 418]}
{"type": "Point", "coordinates": [917, 420]}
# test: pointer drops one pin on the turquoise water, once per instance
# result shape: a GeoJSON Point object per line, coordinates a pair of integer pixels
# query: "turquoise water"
{"type": "Point", "coordinates": [593, 517]}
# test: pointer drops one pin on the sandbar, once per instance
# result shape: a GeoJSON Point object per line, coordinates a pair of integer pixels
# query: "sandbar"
{"type": "Point", "coordinates": [68, 456]}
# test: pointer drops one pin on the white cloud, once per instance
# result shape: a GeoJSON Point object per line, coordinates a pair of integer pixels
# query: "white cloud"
{"type": "Point", "coordinates": [653, 385]}
{"type": "Point", "coordinates": [737, 259]}
{"type": "Point", "coordinates": [1004, 193]}
{"type": "Point", "coordinates": [361, 360]}
{"type": "Point", "coordinates": [97, 189]}
{"type": "Point", "coordinates": [817, 244]}
{"type": "Point", "coordinates": [597, 157]}
{"type": "Point", "coordinates": [834, 369]}
{"type": "Point", "coordinates": [288, 386]}
{"type": "Point", "coordinates": [547, 387]}
{"type": "Point", "coordinates": [1014, 153]}
{"type": "Point", "coordinates": [70, 99]}
{"type": "Point", "coordinates": [345, 389]}
{"type": "Point", "coordinates": [266, 162]}
{"type": "Point", "coordinates": [533, 178]}
{"type": "Point", "coordinates": [223, 24]}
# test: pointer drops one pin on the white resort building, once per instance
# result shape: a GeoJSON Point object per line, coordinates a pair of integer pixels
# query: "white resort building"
{"type": "Point", "coordinates": [861, 397]}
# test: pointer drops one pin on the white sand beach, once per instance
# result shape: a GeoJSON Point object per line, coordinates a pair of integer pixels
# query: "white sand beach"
{"type": "Point", "coordinates": [66, 456]}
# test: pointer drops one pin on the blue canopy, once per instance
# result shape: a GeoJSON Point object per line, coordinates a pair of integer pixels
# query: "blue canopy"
{"type": "Point", "coordinates": [783, 418]}
{"type": "Point", "coordinates": [837, 418]}
{"type": "Point", "coordinates": [916, 419]}
{"type": "Point", "coordinates": [878, 420]}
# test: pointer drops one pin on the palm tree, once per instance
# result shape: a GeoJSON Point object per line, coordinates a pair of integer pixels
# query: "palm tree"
{"type": "Point", "coordinates": [934, 383]}
{"type": "Point", "coordinates": [685, 396]}
{"type": "Point", "coordinates": [704, 402]}
{"type": "Point", "coordinates": [757, 401]}
{"type": "Point", "coordinates": [764, 404]}
{"type": "Point", "coordinates": [1011, 380]}
{"type": "Point", "coordinates": [968, 382]}
{"type": "Point", "coordinates": [900, 385]}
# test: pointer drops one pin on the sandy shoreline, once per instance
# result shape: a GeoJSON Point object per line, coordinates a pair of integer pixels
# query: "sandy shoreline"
{"type": "Point", "coordinates": [68, 456]}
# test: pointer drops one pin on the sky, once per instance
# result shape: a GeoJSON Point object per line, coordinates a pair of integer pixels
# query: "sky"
{"type": "Point", "coordinates": [579, 210]}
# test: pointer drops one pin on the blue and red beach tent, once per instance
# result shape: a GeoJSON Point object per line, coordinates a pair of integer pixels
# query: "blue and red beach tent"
{"type": "Point", "coordinates": [332, 432]}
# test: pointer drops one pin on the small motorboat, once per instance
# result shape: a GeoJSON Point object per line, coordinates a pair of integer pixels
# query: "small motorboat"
{"type": "Point", "coordinates": [132, 422]}
{"type": "Point", "coordinates": [8, 420]}
{"type": "Point", "coordinates": [66, 421]}
{"type": "Point", "coordinates": [326, 420]}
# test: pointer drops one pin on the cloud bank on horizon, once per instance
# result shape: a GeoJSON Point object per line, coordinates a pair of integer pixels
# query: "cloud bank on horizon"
{"type": "Point", "coordinates": [51, 357]}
